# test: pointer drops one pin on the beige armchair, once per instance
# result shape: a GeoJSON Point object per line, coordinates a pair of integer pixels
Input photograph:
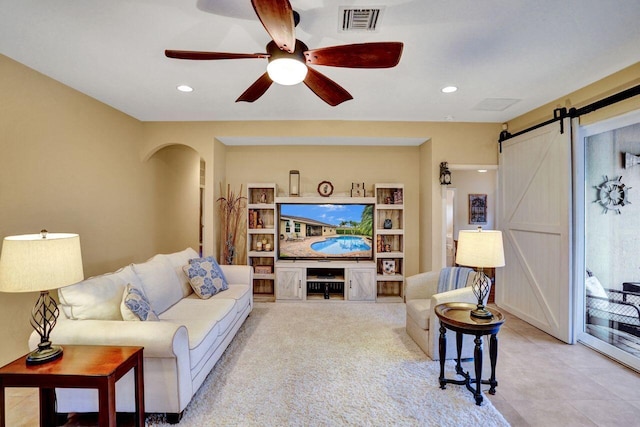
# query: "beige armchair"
{"type": "Point", "coordinates": [423, 326]}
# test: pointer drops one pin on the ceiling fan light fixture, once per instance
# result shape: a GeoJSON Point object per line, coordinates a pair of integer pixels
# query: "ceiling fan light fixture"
{"type": "Point", "coordinates": [287, 71]}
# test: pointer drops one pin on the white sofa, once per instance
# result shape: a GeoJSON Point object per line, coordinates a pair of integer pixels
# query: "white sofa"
{"type": "Point", "coordinates": [422, 324]}
{"type": "Point", "coordinates": [179, 350]}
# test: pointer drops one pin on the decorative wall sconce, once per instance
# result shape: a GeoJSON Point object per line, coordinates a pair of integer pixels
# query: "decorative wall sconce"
{"type": "Point", "coordinates": [294, 183]}
{"type": "Point", "coordinates": [445, 174]}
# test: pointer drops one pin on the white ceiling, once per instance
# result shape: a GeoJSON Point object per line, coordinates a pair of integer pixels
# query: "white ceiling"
{"type": "Point", "coordinates": [532, 51]}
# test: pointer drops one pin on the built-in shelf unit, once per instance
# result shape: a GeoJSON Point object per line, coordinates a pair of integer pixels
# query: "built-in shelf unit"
{"type": "Point", "coordinates": [389, 232]}
{"type": "Point", "coordinates": [380, 279]}
{"type": "Point", "coordinates": [261, 238]}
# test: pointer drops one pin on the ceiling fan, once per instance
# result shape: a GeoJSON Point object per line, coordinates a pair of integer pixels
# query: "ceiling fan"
{"type": "Point", "coordinates": [289, 58]}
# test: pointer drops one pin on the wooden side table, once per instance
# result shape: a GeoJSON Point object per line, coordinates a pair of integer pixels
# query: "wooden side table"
{"type": "Point", "coordinates": [96, 367]}
{"type": "Point", "coordinates": [456, 316]}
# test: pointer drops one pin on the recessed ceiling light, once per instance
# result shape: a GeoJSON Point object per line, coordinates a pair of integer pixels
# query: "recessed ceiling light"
{"type": "Point", "coordinates": [184, 88]}
{"type": "Point", "coordinates": [449, 89]}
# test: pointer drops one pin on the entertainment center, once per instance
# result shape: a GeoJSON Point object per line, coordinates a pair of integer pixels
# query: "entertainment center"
{"type": "Point", "coordinates": [326, 248]}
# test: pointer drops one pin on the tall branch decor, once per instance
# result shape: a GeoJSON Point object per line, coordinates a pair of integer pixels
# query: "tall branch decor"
{"type": "Point", "coordinates": [231, 210]}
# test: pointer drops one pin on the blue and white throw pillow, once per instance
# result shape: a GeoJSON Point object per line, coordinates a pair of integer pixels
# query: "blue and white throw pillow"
{"type": "Point", "coordinates": [206, 277]}
{"type": "Point", "coordinates": [135, 305]}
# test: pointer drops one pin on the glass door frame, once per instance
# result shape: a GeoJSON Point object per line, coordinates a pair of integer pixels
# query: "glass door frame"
{"type": "Point", "coordinates": [580, 135]}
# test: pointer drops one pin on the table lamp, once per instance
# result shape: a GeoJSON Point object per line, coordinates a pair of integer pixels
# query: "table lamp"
{"type": "Point", "coordinates": [38, 263]}
{"type": "Point", "coordinates": [480, 249]}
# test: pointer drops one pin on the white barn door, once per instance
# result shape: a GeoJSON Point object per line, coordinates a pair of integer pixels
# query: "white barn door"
{"type": "Point", "coordinates": [534, 214]}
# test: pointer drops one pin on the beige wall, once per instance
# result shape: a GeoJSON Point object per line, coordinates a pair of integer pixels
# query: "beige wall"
{"type": "Point", "coordinates": [341, 165]}
{"type": "Point", "coordinates": [178, 198]}
{"type": "Point", "coordinates": [425, 210]}
{"type": "Point", "coordinates": [460, 143]}
{"type": "Point", "coordinates": [71, 164]}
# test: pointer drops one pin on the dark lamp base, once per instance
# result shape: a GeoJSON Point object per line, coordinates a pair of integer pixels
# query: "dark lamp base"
{"type": "Point", "coordinates": [481, 313]}
{"type": "Point", "coordinates": [44, 355]}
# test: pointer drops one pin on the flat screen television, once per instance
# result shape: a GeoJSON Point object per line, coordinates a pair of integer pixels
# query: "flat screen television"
{"type": "Point", "coordinates": [325, 231]}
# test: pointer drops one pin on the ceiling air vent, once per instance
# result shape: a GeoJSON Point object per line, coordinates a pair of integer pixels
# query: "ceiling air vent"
{"type": "Point", "coordinates": [495, 104]}
{"type": "Point", "coordinates": [360, 19]}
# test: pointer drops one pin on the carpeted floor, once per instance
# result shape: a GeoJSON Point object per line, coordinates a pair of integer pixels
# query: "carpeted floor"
{"type": "Point", "coordinates": [330, 364]}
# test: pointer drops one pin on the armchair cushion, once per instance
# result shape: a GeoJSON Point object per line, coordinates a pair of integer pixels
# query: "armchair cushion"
{"type": "Point", "coordinates": [418, 310]}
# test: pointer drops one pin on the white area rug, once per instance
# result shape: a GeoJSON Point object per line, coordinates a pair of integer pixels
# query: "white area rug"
{"type": "Point", "coordinates": [330, 364]}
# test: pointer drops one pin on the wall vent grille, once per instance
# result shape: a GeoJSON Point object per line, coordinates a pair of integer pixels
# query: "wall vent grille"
{"type": "Point", "coordinates": [360, 19]}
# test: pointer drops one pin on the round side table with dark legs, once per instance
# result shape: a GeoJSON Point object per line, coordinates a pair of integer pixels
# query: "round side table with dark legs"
{"type": "Point", "coordinates": [456, 316]}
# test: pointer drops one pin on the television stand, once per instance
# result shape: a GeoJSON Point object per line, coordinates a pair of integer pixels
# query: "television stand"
{"type": "Point", "coordinates": [325, 281]}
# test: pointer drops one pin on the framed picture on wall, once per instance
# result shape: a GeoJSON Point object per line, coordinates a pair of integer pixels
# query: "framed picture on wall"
{"type": "Point", "coordinates": [477, 208]}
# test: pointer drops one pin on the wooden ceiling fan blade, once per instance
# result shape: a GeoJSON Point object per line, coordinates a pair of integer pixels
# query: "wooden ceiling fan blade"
{"type": "Point", "coordinates": [256, 90]}
{"type": "Point", "coordinates": [328, 90]}
{"type": "Point", "coordinates": [361, 55]}
{"type": "Point", "coordinates": [277, 18]}
{"type": "Point", "coordinates": [188, 54]}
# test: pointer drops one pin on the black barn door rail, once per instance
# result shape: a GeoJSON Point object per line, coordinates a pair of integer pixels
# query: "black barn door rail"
{"type": "Point", "coordinates": [561, 113]}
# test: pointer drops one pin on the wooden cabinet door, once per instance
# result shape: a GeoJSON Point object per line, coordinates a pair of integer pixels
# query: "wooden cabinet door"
{"type": "Point", "coordinates": [361, 284]}
{"type": "Point", "coordinates": [289, 284]}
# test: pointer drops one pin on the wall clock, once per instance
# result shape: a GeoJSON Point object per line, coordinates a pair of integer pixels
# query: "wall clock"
{"type": "Point", "coordinates": [612, 194]}
{"type": "Point", "coordinates": [325, 188]}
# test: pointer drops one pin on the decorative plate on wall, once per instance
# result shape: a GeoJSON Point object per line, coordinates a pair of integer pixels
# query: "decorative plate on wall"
{"type": "Point", "coordinates": [325, 188]}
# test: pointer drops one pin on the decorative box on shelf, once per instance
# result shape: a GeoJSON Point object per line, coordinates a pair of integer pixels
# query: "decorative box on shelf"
{"type": "Point", "coordinates": [263, 269]}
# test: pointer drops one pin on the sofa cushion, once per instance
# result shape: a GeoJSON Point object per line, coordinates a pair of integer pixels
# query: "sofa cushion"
{"type": "Point", "coordinates": [206, 277]}
{"type": "Point", "coordinates": [160, 283]}
{"type": "Point", "coordinates": [240, 293]}
{"type": "Point", "coordinates": [135, 305]}
{"type": "Point", "coordinates": [179, 260]}
{"type": "Point", "coordinates": [205, 320]}
{"type": "Point", "coordinates": [418, 310]}
{"type": "Point", "coordinates": [97, 298]}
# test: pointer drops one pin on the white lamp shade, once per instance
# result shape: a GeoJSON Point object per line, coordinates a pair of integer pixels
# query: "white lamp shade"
{"type": "Point", "coordinates": [287, 71]}
{"type": "Point", "coordinates": [31, 263]}
{"type": "Point", "coordinates": [480, 248]}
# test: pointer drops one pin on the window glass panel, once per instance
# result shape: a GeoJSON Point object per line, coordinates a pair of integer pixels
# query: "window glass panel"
{"type": "Point", "coordinates": [612, 238]}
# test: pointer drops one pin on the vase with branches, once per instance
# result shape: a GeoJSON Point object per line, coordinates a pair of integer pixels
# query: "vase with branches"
{"type": "Point", "coordinates": [231, 210]}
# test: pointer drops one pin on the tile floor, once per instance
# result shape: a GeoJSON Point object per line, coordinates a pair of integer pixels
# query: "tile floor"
{"type": "Point", "coordinates": [542, 382]}
{"type": "Point", "coordinates": [545, 382]}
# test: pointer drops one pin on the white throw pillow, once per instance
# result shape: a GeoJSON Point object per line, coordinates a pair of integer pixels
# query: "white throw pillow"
{"type": "Point", "coordinates": [179, 260]}
{"type": "Point", "coordinates": [135, 305]}
{"type": "Point", "coordinates": [594, 287]}
{"type": "Point", "coordinates": [160, 282]}
{"type": "Point", "coordinates": [96, 298]}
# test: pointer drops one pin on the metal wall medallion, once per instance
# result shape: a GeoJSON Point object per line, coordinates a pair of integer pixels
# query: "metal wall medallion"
{"type": "Point", "coordinates": [612, 194]}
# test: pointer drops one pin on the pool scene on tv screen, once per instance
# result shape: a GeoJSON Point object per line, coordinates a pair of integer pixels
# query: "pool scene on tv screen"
{"type": "Point", "coordinates": [325, 231]}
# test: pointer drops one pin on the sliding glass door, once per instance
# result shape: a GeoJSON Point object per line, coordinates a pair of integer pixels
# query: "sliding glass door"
{"type": "Point", "coordinates": [607, 238]}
